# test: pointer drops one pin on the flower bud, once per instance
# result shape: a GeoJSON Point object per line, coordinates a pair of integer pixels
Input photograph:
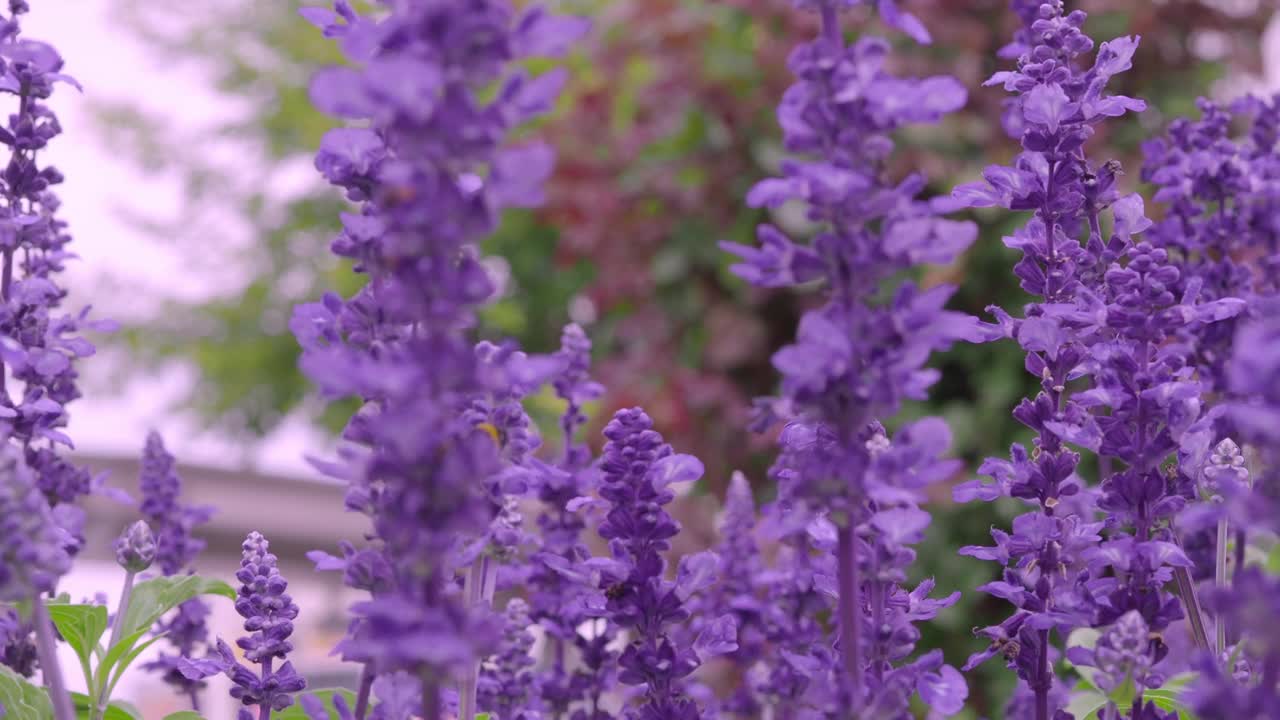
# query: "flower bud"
{"type": "Point", "coordinates": [136, 547]}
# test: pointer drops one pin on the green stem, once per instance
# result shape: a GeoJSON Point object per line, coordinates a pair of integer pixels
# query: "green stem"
{"type": "Point", "coordinates": [103, 690]}
{"type": "Point", "coordinates": [1187, 591]}
{"type": "Point", "coordinates": [1220, 576]}
{"type": "Point", "coordinates": [47, 651]}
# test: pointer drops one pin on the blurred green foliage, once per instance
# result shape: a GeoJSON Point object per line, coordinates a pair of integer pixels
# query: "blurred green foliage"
{"type": "Point", "coordinates": [666, 123]}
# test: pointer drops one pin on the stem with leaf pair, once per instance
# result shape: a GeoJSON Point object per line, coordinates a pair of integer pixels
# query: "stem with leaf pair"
{"type": "Point", "coordinates": [102, 693]}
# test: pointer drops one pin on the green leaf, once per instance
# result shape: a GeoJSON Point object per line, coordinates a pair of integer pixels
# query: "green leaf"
{"type": "Point", "coordinates": [184, 715]}
{"type": "Point", "coordinates": [21, 699]}
{"type": "Point", "coordinates": [483, 716]}
{"type": "Point", "coordinates": [80, 625]}
{"type": "Point", "coordinates": [1085, 706]}
{"type": "Point", "coordinates": [115, 711]}
{"type": "Point", "coordinates": [157, 596]}
{"type": "Point", "coordinates": [1169, 700]}
{"type": "Point", "coordinates": [1273, 560]}
{"type": "Point", "coordinates": [125, 663]}
{"type": "Point", "coordinates": [1124, 693]}
{"type": "Point", "coordinates": [122, 647]}
{"type": "Point", "coordinates": [295, 712]}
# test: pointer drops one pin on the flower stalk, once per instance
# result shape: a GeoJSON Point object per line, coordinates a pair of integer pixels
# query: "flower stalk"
{"type": "Point", "coordinates": [47, 647]}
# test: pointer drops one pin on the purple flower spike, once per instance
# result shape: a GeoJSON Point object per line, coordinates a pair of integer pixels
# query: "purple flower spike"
{"type": "Point", "coordinates": [1107, 307]}
{"type": "Point", "coordinates": [173, 522]}
{"type": "Point", "coordinates": [855, 360]}
{"type": "Point", "coordinates": [442, 445]}
{"type": "Point", "coordinates": [507, 679]}
{"type": "Point", "coordinates": [33, 545]}
{"type": "Point", "coordinates": [268, 613]}
{"type": "Point", "coordinates": [636, 472]}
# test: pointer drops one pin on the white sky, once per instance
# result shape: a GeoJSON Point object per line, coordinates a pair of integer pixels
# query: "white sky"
{"type": "Point", "coordinates": [111, 65]}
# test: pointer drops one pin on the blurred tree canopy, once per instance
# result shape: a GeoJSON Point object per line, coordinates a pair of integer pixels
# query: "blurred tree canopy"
{"type": "Point", "coordinates": [666, 123]}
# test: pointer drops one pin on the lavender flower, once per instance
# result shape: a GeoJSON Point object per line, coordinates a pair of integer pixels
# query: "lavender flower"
{"type": "Point", "coordinates": [427, 168]}
{"type": "Point", "coordinates": [1249, 686]}
{"type": "Point", "coordinates": [798, 657]}
{"type": "Point", "coordinates": [855, 359]}
{"type": "Point", "coordinates": [559, 591]}
{"type": "Point", "coordinates": [637, 471]}
{"type": "Point", "coordinates": [507, 680]}
{"type": "Point", "coordinates": [1220, 228]}
{"type": "Point", "coordinates": [1246, 681]}
{"type": "Point", "coordinates": [33, 544]}
{"type": "Point", "coordinates": [268, 612]}
{"type": "Point", "coordinates": [1253, 376]}
{"type": "Point", "coordinates": [43, 343]}
{"type": "Point", "coordinates": [1057, 103]}
{"type": "Point", "coordinates": [736, 594]}
{"type": "Point", "coordinates": [172, 522]}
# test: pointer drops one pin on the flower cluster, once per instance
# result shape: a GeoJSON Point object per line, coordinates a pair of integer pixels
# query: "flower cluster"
{"type": "Point", "coordinates": [855, 359]}
{"type": "Point", "coordinates": [39, 345]}
{"type": "Point", "coordinates": [507, 680]}
{"type": "Point", "coordinates": [268, 612]}
{"type": "Point", "coordinates": [1067, 332]}
{"type": "Point", "coordinates": [1220, 226]}
{"type": "Point", "coordinates": [33, 545]}
{"type": "Point", "coordinates": [172, 521]}
{"type": "Point", "coordinates": [558, 591]}
{"type": "Point", "coordinates": [426, 165]}
{"type": "Point", "coordinates": [43, 342]}
{"type": "Point", "coordinates": [637, 472]}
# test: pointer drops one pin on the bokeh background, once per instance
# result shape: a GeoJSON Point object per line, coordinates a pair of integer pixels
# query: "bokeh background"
{"type": "Point", "coordinates": [200, 223]}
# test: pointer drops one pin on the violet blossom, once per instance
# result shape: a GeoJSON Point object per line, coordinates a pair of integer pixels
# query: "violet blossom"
{"type": "Point", "coordinates": [856, 359]}
{"type": "Point", "coordinates": [426, 165]}
{"type": "Point", "coordinates": [559, 592]}
{"type": "Point", "coordinates": [736, 594]}
{"type": "Point", "coordinates": [268, 611]}
{"type": "Point", "coordinates": [1221, 228]}
{"type": "Point", "coordinates": [39, 346]}
{"type": "Point", "coordinates": [1056, 104]}
{"type": "Point", "coordinates": [637, 472]}
{"type": "Point", "coordinates": [507, 681]}
{"type": "Point", "coordinates": [173, 522]}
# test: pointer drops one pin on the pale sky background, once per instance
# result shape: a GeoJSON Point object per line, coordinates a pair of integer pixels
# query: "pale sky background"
{"type": "Point", "coordinates": [111, 64]}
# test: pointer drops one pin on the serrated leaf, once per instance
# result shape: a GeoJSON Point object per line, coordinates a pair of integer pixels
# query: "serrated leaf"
{"type": "Point", "coordinates": [21, 699]}
{"type": "Point", "coordinates": [295, 711]}
{"type": "Point", "coordinates": [81, 626]}
{"type": "Point", "coordinates": [155, 597]}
